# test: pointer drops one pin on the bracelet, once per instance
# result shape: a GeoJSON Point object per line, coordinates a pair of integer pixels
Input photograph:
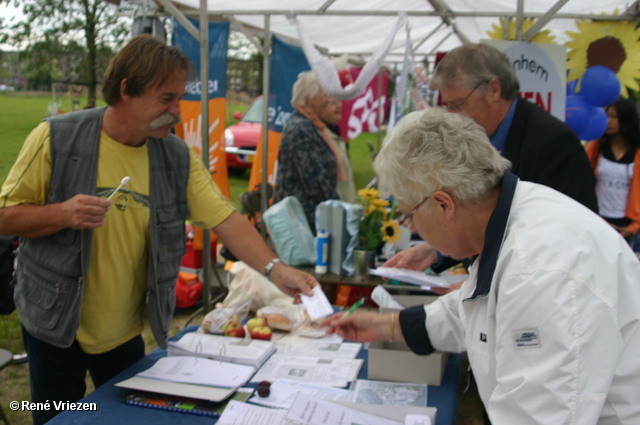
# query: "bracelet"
{"type": "Point", "coordinates": [267, 270]}
{"type": "Point", "coordinates": [393, 326]}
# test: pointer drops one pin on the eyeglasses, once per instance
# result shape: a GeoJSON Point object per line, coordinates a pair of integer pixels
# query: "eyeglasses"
{"type": "Point", "coordinates": [406, 218]}
{"type": "Point", "coordinates": [457, 106]}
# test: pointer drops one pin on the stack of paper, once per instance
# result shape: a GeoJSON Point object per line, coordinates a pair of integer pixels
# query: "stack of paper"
{"type": "Point", "coordinates": [191, 370]}
{"type": "Point", "coordinates": [414, 277]}
{"type": "Point", "coordinates": [251, 352]}
{"type": "Point", "coordinates": [328, 372]}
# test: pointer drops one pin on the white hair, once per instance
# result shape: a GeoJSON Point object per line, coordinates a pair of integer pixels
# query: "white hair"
{"type": "Point", "coordinates": [306, 85]}
{"type": "Point", "coordinates": [436, 150]}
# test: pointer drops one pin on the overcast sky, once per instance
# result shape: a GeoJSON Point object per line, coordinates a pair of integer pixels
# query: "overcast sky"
{"type": "Point", "coordinates": [7, 12]}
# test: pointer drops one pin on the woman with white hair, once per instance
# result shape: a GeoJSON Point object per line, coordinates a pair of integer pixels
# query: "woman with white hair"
{"type": "Point", "coordinates": [309, 165]}
{"type": "Point", "coordinates": [550, 312]}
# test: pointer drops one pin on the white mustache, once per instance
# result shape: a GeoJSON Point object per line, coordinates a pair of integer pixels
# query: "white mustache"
{"type": "Point", "coordinates": [165, 119]}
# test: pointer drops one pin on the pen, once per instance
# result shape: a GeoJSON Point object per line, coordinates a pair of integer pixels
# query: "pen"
{"type": "Point", "coordinates": [355, 306]}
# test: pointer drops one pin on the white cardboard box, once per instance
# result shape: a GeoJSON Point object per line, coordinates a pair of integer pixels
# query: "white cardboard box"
{"type": "Point", "coordinates": [396, 362]}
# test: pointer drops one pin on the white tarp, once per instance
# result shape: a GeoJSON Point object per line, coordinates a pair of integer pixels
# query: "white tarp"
{"type": "Point", "coordinates": [360, 34]}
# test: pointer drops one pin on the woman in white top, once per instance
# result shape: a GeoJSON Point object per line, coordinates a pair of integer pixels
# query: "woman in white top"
{"type": "Point", "coordinates": [615, 158]}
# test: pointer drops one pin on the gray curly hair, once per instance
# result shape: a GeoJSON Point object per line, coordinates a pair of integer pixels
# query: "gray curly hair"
{"type": "Point", "coordinates": [306, 85]}
{"type": "Point", "coordinates": [436, 150]}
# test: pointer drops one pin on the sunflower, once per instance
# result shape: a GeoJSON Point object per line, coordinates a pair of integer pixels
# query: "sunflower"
{"type": "Point", "coordinates": [541, 37]}
{"type": "Point", "coordinates": [379, 202]}
{"type": "Point", "coordinates": [390, 231]}
{"type": "Point", "coordinates": [373, 208]}
{"type": "Point", "coordinates": [613, 44]}
{"type": "Point", "coordinates": [369, 194]}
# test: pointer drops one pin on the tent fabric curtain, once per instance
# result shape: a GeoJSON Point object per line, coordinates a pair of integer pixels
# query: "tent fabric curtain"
{"type": "Point", "coordinates": [327, 74]}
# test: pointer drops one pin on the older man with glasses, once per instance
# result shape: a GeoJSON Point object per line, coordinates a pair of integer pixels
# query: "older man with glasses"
{"type": "Point", "coordinates": [478, 81]}
{"type": "Point", "coordinates": [550, 312]}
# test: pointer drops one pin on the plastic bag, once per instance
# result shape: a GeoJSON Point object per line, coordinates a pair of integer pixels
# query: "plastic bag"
{"type": "Point", "coordinates": [217, 320]}
{"type": "Point", "coordinates": [284, 317]}
{"type": "Point", "coordinates": [290, 232]}
{"type": "Point", "coordinates": [246, 282]}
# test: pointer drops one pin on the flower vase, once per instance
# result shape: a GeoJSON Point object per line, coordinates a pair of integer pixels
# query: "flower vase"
{"type": "Point", "coordinates": [362, 260]}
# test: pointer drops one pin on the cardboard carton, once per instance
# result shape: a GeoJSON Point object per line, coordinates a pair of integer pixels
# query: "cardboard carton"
{"type": "Point", "coordinates": [396, 362]}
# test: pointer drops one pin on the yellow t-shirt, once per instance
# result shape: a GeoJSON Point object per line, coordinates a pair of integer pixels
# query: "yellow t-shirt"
{"type": "Point", "coordinates": [112, 304]}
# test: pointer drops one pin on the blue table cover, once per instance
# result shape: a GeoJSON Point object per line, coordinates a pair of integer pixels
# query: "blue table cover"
{"type": "Point", "coordinates": [111, 409]}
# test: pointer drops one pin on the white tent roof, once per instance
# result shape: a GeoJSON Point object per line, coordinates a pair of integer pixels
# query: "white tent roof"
{"type": "Point", "coordinates": [359, 27]}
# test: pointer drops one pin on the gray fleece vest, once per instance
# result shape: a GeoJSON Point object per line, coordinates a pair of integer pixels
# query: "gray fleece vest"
{"type": "Point", "coordinates": [51, 269]}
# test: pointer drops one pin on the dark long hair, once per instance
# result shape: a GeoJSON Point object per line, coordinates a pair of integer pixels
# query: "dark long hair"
{"type": "Point", "coordinates": [629, 124]}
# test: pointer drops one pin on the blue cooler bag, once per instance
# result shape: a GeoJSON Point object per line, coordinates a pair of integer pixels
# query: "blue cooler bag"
{"type": "Point", "coordinates": [290, 232]}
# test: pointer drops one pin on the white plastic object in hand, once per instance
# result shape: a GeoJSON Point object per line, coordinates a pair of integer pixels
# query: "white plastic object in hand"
{"type": "Point", "coordinates": [124, 181]}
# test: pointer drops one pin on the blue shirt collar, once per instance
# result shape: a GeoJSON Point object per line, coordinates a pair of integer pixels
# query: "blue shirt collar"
{"type": "Point", "coordinates": [499, 138]}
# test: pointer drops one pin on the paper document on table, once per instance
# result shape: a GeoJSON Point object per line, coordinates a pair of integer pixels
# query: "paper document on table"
{"type": "Point", "coordinates": [328, 372]}
{"type": "Point", "coordinates": [310, 411]}
{"type": "Point", "coordinates": [390, 393]}
{"type": "Point", "coordinates": [317, 305]}
{"type": "Point", "coordinates": [238, 413]}
{"type": "Point", "coordinates": [284, 391]}
{"type": "Point", "coordinates": [199, 371]}
{"type": "Point", "coordinates": [418, 278]}
{"type": "Point", "coordinates": [324, 350]}
{"type": "Point", "coordinates": [417, 420]}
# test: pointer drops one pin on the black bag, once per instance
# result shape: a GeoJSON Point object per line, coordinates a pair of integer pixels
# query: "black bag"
{"type": "Point", "coordinates": [7, 257]}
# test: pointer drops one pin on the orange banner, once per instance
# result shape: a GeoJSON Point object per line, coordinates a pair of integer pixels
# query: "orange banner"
{"type": "Point", "coordinates": [190, 130]}
{"type": "Point", "coordinates": [272, 161]}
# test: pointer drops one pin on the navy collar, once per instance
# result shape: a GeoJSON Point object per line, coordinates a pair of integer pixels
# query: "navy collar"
{"type": "Point", "coordinates": [494, 236]}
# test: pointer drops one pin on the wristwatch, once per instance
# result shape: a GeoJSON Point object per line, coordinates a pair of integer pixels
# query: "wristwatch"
{"type": "Point", "coordinates": [267, 270]}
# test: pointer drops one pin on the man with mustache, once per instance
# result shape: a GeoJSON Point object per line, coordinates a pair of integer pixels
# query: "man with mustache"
{"type": "Point", "coordinates": [89, 269]}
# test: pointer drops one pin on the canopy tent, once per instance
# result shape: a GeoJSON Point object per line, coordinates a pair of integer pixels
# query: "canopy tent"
{"type": "Point", "coordinates": [360, 27]}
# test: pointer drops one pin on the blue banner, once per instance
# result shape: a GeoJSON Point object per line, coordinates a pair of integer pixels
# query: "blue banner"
{"type": "Point", "coordinates": [287, 62]}
{"type": "Point", "coordinates": [218, 43]}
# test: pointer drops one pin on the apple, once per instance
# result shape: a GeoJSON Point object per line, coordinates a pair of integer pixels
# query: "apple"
{"type": "Point", "coordinates": [262, 332]}
{"type": "Point", "coordinates": [235, 329]}
{"type": "Point", "coordinates": [255, 323]}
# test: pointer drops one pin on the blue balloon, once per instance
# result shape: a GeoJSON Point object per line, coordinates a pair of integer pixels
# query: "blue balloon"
{"type": "Point", "coordinates": [571, 87]}
{"type": "Point", "coordinates": [577, 113]}
{"type": "Point", "coordinates": [597, 124]}
{"type": "Point", "coordinates": [600, 86]}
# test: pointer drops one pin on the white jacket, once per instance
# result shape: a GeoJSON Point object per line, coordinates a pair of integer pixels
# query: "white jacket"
{"type": "Point", "coordinates": [553, 330]}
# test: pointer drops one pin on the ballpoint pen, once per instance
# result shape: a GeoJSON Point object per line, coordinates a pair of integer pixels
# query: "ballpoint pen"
{"type": "Point", "coordinates": [355, 306]}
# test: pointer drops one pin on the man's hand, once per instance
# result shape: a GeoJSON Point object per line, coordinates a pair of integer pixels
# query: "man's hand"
{"type": "Point", "coordinates": [84, 211]}
{"type": "Point", "coordinates": [418, 257]}
{"type": "Point", "coordinates": [292, 281]}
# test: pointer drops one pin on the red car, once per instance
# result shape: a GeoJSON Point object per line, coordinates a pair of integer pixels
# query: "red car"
{"type": "Point", "coordinates": [241, 139]}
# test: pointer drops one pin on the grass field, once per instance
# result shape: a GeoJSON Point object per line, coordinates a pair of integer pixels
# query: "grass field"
{"type": "Point", "coordinates": [18, 116]}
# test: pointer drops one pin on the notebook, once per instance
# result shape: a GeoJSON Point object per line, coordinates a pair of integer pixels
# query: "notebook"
{"type": "Point", "coordinates": [182, 404]}
{"type": "Point", "coordinates": [252, 352]}
{"type": "Point", "coordinates": [191, 377]}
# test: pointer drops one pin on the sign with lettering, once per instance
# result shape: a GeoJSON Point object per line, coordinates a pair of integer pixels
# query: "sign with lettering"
{"type": "Point", "coordinates": [541, 69]}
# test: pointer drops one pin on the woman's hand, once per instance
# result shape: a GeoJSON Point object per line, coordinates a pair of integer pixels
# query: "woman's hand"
{"type": "Point", "coordinates": [362, 326]}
